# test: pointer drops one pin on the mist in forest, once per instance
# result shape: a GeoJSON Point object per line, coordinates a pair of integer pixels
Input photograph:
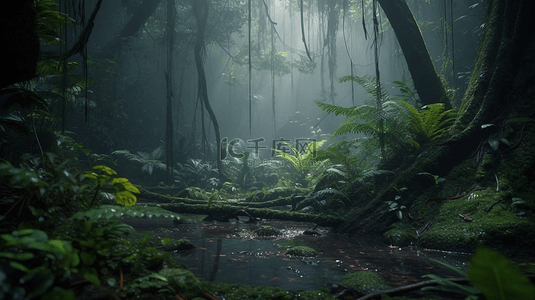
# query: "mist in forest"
{"type": "Point", "coordinates": [127, 93]}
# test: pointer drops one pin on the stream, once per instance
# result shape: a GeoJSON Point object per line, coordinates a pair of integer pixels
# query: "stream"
{"type": "Point", "coordinates": [229, 252]}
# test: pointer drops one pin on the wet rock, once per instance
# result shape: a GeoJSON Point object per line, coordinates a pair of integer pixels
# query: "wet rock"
{"type": "Point", "coordinates": [311, 232]}
{"type": "Point", "coordinates": [302, 251]}
{"type": "Point", "coordinates": [182, 244]}
{"type": "Point", "coordinates": [267, 231]}
{"type": "Point", "coordinates": [364, 282]}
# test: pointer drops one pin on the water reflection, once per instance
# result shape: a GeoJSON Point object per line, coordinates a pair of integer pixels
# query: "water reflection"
{"type": "Point", "coordinates": [230, 253]}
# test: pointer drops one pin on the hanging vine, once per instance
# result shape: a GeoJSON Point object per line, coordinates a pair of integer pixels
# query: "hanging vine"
{"type": "Point", "coordinates": [303, 31]}
{"type": "Point", "coordinates": [379, 103]}
{"type": "Point", "coordinates": [348, 54]}
{"type": "Point", "coordinates": [250, 79]}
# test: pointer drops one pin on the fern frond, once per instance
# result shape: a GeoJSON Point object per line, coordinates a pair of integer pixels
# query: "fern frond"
{"type": "Point", "coordinates": [351, 126]}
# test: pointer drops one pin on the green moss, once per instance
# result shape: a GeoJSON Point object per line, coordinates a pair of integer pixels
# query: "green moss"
{"type": "Point", "coordinates": [182, 244]}
{"type": "Point", "coordinates": [400, 234]}
{"type": "Point", "coordinates": [364, 281]}
{"type": "Point", "coordinates": [267, 231]}
{"type": "Point", "coordinates": [301, 251]}
{"type": "Point", "coordinates": [492, 224]}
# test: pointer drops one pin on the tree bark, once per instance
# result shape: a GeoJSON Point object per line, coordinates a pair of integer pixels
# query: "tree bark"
{"type": "Point", "coordinates": [141, 14]}
{"type": "Point", "coordinates": [424, 75]}
{"type": "Point", "coordinates": [500, 91]}
{"type": "Point", "coordinates": [139, 17]}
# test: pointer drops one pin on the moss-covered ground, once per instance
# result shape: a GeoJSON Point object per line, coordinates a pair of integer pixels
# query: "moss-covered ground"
{"type": "Point", "coordinates": [492, 224]}
{"type": "Point", "coordinates": [364, 282]}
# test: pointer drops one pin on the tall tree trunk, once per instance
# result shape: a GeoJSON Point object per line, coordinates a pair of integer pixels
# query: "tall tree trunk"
{"type": "Point", "coordinates": [424, 75]}
{"type": "Point", "coordinates": [169, 78]}
{"type": "Point", "coordinates": [200, 11]}
{"type": "Point", "coordinates": [139, 17]}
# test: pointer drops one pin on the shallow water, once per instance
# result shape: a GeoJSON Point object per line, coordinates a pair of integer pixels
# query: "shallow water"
{"type": "Point", "coordinates": [230, 253]}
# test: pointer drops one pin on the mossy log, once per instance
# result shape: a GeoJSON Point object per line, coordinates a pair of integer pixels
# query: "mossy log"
{"type": "Point", "coordinates": [223, 212]}
{"type": "Point", "coordinates": [155, 197]}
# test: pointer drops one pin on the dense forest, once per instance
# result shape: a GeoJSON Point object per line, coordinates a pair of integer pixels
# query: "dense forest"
{"type": "Point", "coordinates": [408, 123]}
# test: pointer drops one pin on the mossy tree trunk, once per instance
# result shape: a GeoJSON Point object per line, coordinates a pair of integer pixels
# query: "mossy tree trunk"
{"type": "Point", "coordinates": [500, 92]}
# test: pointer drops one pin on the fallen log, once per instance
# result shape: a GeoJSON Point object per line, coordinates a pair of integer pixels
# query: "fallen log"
{"type": "Point", "coordinates": [223, 212]}
{"type": "Point", "coordinates": [155, 197]}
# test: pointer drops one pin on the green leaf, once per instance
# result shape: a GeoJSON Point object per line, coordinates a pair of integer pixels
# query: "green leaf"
{"type": "Point", "coordinates": [125, 198]}
{"type": "Point", "coordinates": [453, 268]}
{"type": "Point", "coordinates": [122, 184]}
{"type": "Point", "coordinates": [59, 246]}
{"type": "Point", "coordinates": [40, 281]}
{"type": "Point", "coordinates": [18, 266]}
{"type": "Point", "coordinates": [452, 286]}
{"type": "Point", "coordinates": [494, 144]}
{"type": "Point", "coordinates": [497, 278]}
{"type": "Point", "coordinates": [105, 169]}
{"type": "Point", "coordinates": [88, 258]}
{"type": "Point", "coordinates": [90, 274]}
{"type": "Point", "coordinates": [111, 281]}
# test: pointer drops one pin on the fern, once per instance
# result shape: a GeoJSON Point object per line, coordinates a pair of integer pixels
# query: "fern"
{"type": "Point", "coordinates": [148, 161]}
{"type": "Point", "coordinates": [430, 123]}
{"type": "Point", "coordinates": [404, 126]}
{"type": "Point", "coordinates": [304, 163]}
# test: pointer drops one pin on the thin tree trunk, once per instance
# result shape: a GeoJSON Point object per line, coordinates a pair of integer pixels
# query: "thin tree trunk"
{"type": "Point", "coordinates": [200, 11]}
{"type": "Point", "coordinates": [169, 77]}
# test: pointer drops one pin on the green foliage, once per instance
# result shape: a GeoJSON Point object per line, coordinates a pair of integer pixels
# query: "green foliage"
{"type": "Point", "coordinates": [428, 124]}
{"type": "Point", "coordinates": [49, 21]}
{"type": "Point", "coordinates": [403, 126]}
{"type": "Point", "coordinates": [302, 165]}
{"type": "Point", "coordinates": [148, 161]}
{"type": "Point", "coordinates": [45, 184]}
{"type": "Point", "coordinates": [34, 266]}
{"type": "Point", "coordinates": [490, 274]}
{"type": "Point", "coordinates": [121, 188]}
{"type": "Point", "coordinates": [366, 118]}
{"type": "Point", "coordinates": [497, 277]}
{"type": "Point", "coordinates": [197, 173]}
{"type": "Point", "coordinates": [395, 206]}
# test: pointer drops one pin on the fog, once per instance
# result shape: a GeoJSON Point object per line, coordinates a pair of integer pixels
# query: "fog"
{"type": "Point", "coordinates": [127, 91]}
